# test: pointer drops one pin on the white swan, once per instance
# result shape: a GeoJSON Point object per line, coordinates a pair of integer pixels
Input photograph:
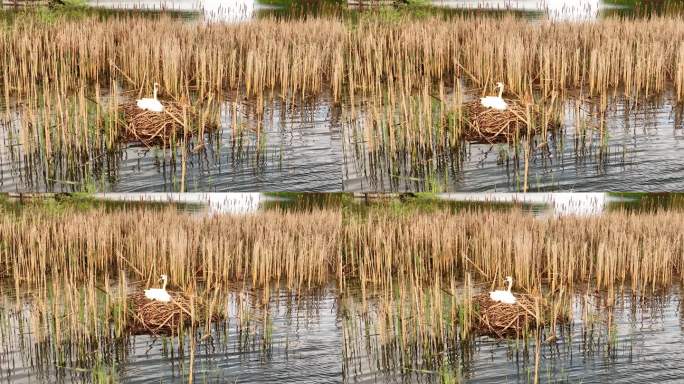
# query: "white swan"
{"type": "Point", "coordinates": [495, 102]}
{"type": "Point", "coordinates": [153, 104]}
{"type": "Point", "coordinates": [159, 294]}
{"type": "Point", "coordinates": [506, 296]}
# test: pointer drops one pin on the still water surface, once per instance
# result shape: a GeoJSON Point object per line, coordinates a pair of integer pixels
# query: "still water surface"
{"type": "Point", "coordinates": [241, 10]}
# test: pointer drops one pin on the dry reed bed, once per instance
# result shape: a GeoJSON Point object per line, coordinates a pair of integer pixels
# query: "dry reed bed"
{"type": "Point", "coordinates": [415, 272]}
{"type": "Point", "coordinates": [286, 57]}
{"type": "Point", "coordinates": [294, 249]}
{"type": "Point", "coordinates": [409, 268]}
{"type": "Point", "coordinates": [308, 249]}
{"type": "Point", "coordinates": [68, 73]}
{"type": "Point", "coordinates": [645, 251]}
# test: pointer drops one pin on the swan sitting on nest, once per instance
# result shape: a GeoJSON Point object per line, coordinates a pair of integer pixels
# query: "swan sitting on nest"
{"type": "Point", "coordinates": [159, 294]}
{"type": "Point", "coordinates": [495, 102]}
{"type": "Point", "coordinates": [152, 105]}
{"type": "Point", "coordinates": [506, 296]}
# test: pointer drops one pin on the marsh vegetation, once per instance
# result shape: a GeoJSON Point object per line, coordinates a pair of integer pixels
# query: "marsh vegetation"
{"type": "Point", "coordinates": [379, 98]}
{"type": "Point", "coordinates": [386, 287]}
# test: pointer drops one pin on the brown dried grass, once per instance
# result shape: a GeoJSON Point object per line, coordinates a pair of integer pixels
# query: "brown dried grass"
{"type": "Point", "coordinates": [637, 57]}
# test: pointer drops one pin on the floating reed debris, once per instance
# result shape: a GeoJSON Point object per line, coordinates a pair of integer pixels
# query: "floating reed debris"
{"type": "Point", "coordinates": [501, 319]}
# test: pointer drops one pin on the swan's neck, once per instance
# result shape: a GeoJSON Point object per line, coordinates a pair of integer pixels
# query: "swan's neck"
{"type": "Point", "coordinates": [510, 285]}
{"type": "Point", "coordinates": [164, 285]}
{"type": "Point", "coordinates": [501, 91]}
{"type": "Point", "coordinates": [154, 93]}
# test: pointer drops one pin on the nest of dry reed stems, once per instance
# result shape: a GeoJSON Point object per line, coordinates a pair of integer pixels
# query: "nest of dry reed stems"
{"type": "Point", "coordinates": [490, 125]}
{"type": "Point", "coordinates": [156, 317]}
{"type": "Point", "coordinates": [152, 128]}
{"type": "Point", "coordinates": [501, 320]}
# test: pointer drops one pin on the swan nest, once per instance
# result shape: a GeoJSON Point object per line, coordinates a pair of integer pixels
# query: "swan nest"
{"type": "Point", "coordinates": [501, 320]}
{"type": "Point", "coordinates": [152, 128]}
{"type": "Point", "coordinates": [488, 125]}
{"type": "Point", "coordinates": [155, 317]}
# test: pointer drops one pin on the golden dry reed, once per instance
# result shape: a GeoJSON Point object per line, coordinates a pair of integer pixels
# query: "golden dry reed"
{"type": "Point", "coordinates": [286, 57]}
{"type": "Point", "coordinates": [293, 249]}
{"type": "Point", "coordinates": [414, 272]}
{"type": "Point", "coordinates": [308, 249]}
{"type": "Point", "coordinates": [644, 251]}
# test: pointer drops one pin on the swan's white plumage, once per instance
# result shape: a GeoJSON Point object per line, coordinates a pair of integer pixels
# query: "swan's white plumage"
{"type": "Point", "coordinates": [153, 104]}
{"type": "Point", "coordinates": [506, 296]}
{"type": "Point", "coordinates": [495, 102]}
{"type": "Point", "coordinates": [150, 105]}
{"type": "Point", "coordinates": [159, 294]}
{"type": "Point", "coordinates": [503, 297]}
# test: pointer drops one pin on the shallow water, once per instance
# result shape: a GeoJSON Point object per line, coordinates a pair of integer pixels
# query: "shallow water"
{"type": "Point", "coordinates": [637, 151]}
{"type": "Point", "coordinates": [318, 336]}
{"type": "Point", "coordinates": [317, 147]}
{"type": "Point", "coordinates": [637, 340]}
{"type": "Point", "coordinates": [288, 151]}
{"type": "Point", "coordinates": [300, 330]}
{"type": "Point", "coordinates": [644, 347]}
